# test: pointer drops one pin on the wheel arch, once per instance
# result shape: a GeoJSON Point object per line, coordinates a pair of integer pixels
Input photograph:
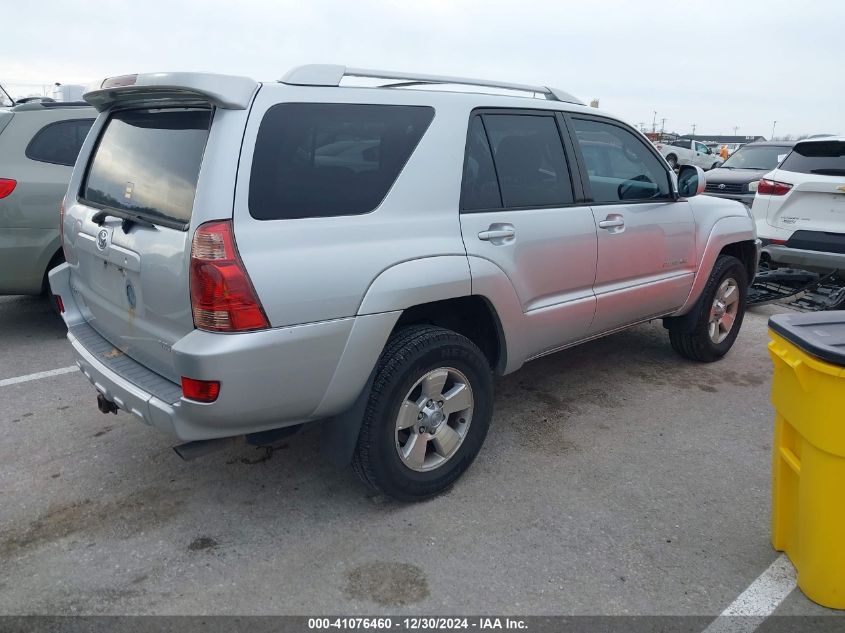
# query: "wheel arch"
{"type": "Point", "coordinates": [473, 316]}
{"type": "Point", "coordinates": [731, 235]}
{"type": "Point", "coordinates": [746, 252]}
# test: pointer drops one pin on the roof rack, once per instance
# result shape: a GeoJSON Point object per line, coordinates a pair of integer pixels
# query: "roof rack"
{"type": "Point", "coordinates": [332, 74]}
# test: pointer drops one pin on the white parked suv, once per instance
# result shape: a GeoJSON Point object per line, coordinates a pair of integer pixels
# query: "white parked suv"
{"type": "Point", "coordinates": [244, 258]}
{"type": "Point", "coordinates": [799, 208]}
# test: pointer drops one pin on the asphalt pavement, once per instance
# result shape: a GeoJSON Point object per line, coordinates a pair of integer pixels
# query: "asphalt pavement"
{"type": "Point", "coordinates": [617, 478]}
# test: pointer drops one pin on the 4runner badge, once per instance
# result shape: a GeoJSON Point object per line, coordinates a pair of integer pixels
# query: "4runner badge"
{"type": "Point", "coordinates": [102, 239]}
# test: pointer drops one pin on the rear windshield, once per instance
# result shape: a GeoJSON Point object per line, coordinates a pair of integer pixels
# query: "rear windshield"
{"type": "Point", "coordinates": [330, 159]}
{"type": "Point", "coordinates": [824, 158]}
{"type": "Point", "coordinates": [749, 157]}
{"type": "Point", "coordinates": [147, 162]}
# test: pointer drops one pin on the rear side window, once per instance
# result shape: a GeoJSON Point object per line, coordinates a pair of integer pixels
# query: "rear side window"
{"type": "Point", "coordinates": [330, 159]}
{"type": "Point", "coordinates": [147, 162]}
{"type": "Point", "coordinates": [823, 158]}
{"type": "Point", "coordinates": [59, 143]}
{"type": "Point", "coordinates": [529, 159]}
{"type": "Point", "coordinates": [619, 165]}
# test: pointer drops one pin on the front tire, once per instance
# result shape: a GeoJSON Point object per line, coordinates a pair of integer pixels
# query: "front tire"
{"type": "Point", "coordinates": [672, 160]}
{"type": "Point", "coordinates": [720, 312]}
{"type": "Point", "coordinates": [427, 415]}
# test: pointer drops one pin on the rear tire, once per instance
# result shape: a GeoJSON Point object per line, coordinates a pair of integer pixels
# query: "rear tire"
{"type": "Point", "coordinates": [433, 390]}
{"type": "Point", "coordinates": [720, 312]}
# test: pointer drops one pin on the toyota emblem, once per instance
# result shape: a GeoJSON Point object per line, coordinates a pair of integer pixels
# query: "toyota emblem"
{"type": "Point", "coordinates": [722, 186]}
{"type": "Point", "coordinates": [102, 239]}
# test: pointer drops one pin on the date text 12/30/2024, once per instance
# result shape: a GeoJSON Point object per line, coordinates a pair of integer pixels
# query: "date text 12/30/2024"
{"type": "Point", "coordinates": [417, 624]}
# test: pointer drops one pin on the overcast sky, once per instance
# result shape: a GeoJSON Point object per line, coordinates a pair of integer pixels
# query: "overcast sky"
{"type": "Point", "coordinates": [715, 63]}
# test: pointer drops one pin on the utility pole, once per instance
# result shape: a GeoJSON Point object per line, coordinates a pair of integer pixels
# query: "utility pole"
{"type": "Point", "coordinates": [736, 127]}
{"type": "Point", "coordinates": [654, 123]}
{"type": "Point", "coordinates": [662, 126]}
{"type": "Point", "coordinates": [774, 123]}
{"type": "Point", "coordinates": [693, 129]}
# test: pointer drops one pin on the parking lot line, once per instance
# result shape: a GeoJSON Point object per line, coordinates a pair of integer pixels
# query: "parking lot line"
{"type": "Point", "coordinates": [41, 374]}
{"type": "Point", "coordinates": [758, 601]}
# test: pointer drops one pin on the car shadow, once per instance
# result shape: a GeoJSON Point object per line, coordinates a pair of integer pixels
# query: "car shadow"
{"type": "Point", "coordinates": [23, 318]}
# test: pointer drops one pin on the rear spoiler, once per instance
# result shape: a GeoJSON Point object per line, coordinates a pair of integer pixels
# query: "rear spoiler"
{"type": "Point", "coordinates": [225, 91]}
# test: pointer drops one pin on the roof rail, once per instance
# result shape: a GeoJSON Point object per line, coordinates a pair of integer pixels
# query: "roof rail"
{"type": "Point", "coordinates": [332, 74]}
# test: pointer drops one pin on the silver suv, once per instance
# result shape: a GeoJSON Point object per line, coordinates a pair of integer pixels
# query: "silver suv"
{"type": "Point", "coordinates": [244, 257]}
{"type": "Point", "coordinates": [39, 143]}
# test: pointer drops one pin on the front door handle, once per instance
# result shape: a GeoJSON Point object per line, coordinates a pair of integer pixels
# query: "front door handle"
{"type": "Point", "coordinates": [498, 233]}
{"type": "Point", "coordinates": [613, 222]}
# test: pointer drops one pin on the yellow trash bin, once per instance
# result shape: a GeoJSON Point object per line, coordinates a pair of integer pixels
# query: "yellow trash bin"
{"type": "Point", "coordinates": [808, 451]}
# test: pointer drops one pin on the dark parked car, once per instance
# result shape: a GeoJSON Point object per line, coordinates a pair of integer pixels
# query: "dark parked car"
{"type": "Point", "coordinates": [737, 177]}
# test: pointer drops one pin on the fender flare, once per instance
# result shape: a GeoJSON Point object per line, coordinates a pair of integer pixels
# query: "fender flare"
{"type": "Point", "coordinates": [725, 231]}
{"type": "Point", "coordinates": [410, 283]}
{"type": "Point", "coordinates": [393, 290]}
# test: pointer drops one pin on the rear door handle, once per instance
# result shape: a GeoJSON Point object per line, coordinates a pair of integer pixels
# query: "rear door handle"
{"type": "Point", "coordinates": [613, 221]}
{"type": "Point", "coordinates": [498, 233]}
{"type": "Point", "coordinates": [493, 234]}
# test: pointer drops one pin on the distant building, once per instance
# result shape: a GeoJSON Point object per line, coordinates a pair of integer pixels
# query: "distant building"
{"type": "Point", "coordinates": [717, 138]}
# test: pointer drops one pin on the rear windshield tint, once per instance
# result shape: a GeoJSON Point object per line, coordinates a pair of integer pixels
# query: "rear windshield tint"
{"type": "Point", "coordinates": [330, 159]}
{"type": "Point", "coordinates": [147, 163]}
{"type": "Point", "coordinates": [823, 158]}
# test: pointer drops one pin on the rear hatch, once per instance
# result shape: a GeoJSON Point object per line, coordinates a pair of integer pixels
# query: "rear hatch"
{"type": "Point", "coordinates": [816, 171]}
{"type": "Point", "coordinates": [129, 243]}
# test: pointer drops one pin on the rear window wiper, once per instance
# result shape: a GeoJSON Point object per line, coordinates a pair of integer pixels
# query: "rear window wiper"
{"type": "Point", "coordinates": [128, 222]}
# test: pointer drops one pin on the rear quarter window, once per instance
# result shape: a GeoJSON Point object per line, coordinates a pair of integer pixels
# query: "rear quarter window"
{"type": "Point", "coordinates": [59, 142]}
{"type": "Point", "coordinates": [823, 158]}
{"type": "Point", "coordinates": [330, 159]}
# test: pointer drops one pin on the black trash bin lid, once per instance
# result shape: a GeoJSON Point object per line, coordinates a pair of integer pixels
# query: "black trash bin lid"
{"type": "Point", "coordinates": [821, 334]}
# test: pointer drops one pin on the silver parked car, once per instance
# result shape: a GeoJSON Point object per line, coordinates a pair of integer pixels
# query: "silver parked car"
{"type": "Point", "coordinates": [244, 257]}
{"type": "Point", "coordinates": [39, 143]}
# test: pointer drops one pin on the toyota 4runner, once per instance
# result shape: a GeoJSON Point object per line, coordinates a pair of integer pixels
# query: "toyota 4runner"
{"type": "Point", "coordinates": [244, 258]}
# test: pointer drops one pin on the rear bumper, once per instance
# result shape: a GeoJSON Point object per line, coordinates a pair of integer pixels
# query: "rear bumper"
{"type": "Point", "coordinates": [268, 379]}
{"type": "Point", "coordinates": [806, 259]}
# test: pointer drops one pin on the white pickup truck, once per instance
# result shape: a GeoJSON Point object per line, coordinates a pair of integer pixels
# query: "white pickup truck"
{"type": "Point", "coordinates": [688, 152]}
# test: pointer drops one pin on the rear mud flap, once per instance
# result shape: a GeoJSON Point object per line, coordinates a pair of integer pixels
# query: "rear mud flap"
{"type": "Point", "coordinates": [340, 432]}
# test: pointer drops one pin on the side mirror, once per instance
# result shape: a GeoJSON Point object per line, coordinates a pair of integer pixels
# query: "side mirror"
{"type": "Point", "coordinates": [690, 181]}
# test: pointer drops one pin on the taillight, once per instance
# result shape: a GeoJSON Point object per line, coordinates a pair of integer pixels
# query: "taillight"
{"type": "Point", "coordinates": [7, 186]}
{"type": "Point", "coordinates": [773, 187]}
{"type": "Point", "coordinates": [59, 303]}
{"type": "Point", "coordinates": [200, 390]}
{"type": "Point", "coordinates": [222, 296]}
